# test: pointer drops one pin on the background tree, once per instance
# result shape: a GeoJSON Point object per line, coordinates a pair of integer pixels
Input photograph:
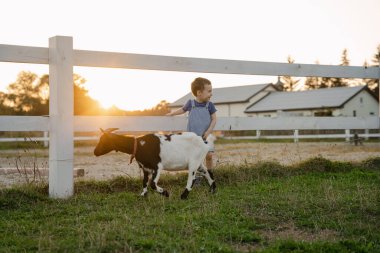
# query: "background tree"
{"type": "Point", "coordinates": [344, 62]}
{"type": "Point", "coordinates": [4, 110]}
{"type": "Point", "coordinates": [23, 96]}
{"type": "Point", "coordinates": [160, 109]}
{"type": "Point", "coordinates": [314, 82]}
{"type": "Point", "coordinates": [83, 103]}
{"type": "Point", "coordinates": [344, 59]}
{"type": "Point", "coordinates": [373, 84]}
{"type": "Point", "coordinates": [288, 81]}
{"type": "Point", "coordinates": [335, 81]}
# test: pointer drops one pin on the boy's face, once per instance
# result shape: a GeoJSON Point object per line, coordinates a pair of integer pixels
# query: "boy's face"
{"type": "Point", "coordinates": [205, 94]}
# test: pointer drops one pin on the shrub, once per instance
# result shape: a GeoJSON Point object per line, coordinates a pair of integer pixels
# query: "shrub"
{"type": "Point", "coordinates": [371, 163]}
{"type": "Point", "coordinates": [320, 164]}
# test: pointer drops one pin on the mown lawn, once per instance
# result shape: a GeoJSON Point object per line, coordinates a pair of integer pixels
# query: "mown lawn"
{"type": "Point", "coordinates": [316, 206]}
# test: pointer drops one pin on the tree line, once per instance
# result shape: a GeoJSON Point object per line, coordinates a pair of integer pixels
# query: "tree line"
{"type": "Point", "coordinates": [29, 95]}
{"type": "Point", "coordinates": [289, 83]}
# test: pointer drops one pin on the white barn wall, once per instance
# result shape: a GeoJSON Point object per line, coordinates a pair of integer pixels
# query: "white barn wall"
{"type": "Point", "coordinates": [262, 114]}
{"type": "Point", "coordinates": [237, 110]}
{"type": "Point", "coordinates": [223, 110]}
{"type": "Point", "coordinates": [364, 108]}
{"type": "Point", "coordinates": [231, 110]}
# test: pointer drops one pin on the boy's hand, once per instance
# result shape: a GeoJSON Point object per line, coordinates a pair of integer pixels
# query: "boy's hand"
{"type": "Point", "coordinates": [205, 135]}
{"type": "Point", "coordinates": [177, 112]}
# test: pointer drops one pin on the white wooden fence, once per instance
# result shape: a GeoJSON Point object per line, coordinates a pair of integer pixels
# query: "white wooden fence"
{"type": "Point", "coordinates": [61, 122]}
{"type": "Point", "coordinates": [347, 135]}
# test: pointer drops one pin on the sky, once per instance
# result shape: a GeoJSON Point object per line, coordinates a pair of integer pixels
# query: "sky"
{"type": "Point", "coordinates": [253, 30]}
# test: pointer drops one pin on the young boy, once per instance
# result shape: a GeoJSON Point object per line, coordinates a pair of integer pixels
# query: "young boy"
{"type": "Point", "coordinates": [202, 113]}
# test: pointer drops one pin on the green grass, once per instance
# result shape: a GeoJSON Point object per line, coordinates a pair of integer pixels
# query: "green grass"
{"type": "Point", "coordinates": [316, 206]}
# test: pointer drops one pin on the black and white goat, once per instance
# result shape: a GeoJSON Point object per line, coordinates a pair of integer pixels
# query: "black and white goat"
{"type": "Point", "coordinates": [157, 152]}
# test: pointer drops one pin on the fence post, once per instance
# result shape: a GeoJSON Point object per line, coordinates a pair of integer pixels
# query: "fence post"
{"type": "Point", "coordinates": [46, 136]}
{"type": "Point", "coordinates": [366, 134]}
{"type": "Point", "coordinates": [61, 108]}
{"type": "Point", "coordinates": [347, 134]}
{"type": "Point", "coordinates": [296, 136]}
{"type": "Point", "coordinates": [258, 133]}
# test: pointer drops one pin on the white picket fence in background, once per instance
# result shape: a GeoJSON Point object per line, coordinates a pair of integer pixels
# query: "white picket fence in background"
{"type": "Point", "coordinates": [61, 123]}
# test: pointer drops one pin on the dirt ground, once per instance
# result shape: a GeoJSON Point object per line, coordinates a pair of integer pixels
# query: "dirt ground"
{"type": "Point", "coordinates": [115, 164]}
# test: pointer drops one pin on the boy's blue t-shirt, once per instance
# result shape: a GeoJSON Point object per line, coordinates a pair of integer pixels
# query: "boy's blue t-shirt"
{"type": "Point", "coordinates": [211, 106]}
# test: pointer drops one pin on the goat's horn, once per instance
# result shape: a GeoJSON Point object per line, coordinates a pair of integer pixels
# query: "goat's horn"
{"type": "Point", "coordinates": [101, 130]}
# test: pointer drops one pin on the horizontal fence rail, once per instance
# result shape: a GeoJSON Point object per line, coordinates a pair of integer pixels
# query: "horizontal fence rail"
{"type": "Point", "coordinates": [300, 123]}
{"type": "Point", "coordinates": [166, 123]}
{"type": "Point", "coordinates": [24, 123]}
{"type": "Point", "coordinates": [84, 58]}
{"type": "Point", "coordinates": [23, 54]}
{"type": "Point", "coordinates": [301, 136]}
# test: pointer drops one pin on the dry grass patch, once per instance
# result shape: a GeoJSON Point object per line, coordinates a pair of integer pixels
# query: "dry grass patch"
{"type": "Point", "coordinates": [289, 231]}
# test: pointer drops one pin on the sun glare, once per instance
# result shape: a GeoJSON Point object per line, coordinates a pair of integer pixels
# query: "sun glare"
{"type": "Point", "coordinates": [118, 96]}
{"type": "Point", "coordinates": [106, 104]}
{"type": "Point", "coordinates": [106, 99]}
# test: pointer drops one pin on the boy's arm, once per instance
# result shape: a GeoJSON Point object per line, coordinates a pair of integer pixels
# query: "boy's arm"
{"type": "Point", "coordinates": [211, 127]}
{"type": "Point", "coordinates": [176, 112]}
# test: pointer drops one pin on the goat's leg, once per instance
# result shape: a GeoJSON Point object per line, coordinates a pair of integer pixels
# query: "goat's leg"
{"type": "Point", "coordinates": [155, 178]}
{"type": "Point", "coordinates": [209, 176]}
{"type": "Point", "coordinates": [145, 183]}
{"type": "Point", "coordinates": [190, 181]}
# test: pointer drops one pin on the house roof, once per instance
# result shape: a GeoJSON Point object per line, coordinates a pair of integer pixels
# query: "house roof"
{"type": "Point", "coordinates": [311, 99]}
{"type": "Point", "coordinates": [227, 95]}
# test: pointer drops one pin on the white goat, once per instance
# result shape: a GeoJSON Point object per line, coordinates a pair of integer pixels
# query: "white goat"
{"type": "Point", "coordinates": [157, 152]}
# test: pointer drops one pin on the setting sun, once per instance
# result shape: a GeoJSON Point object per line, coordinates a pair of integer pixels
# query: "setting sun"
{"type": "Point", "coordinates": [104, 97]}
{"type": "Point", "coordinates": [125, 89]}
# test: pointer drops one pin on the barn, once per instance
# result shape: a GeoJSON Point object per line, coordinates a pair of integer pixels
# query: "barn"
{"type": "Point", "coordinates": [356, 101]}
{"type": "Point", "coordinates": [264, 100]}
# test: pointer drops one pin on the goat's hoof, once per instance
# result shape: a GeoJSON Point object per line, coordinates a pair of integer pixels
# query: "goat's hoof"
{"type": "Point", "coordinates": [213, 188]}
{"type": "Point", "coordinates": [185, 194]}
{"type": "Point", "coordinates": [144, 194]}
{"type": "Point", "coordinates": [165, 193]}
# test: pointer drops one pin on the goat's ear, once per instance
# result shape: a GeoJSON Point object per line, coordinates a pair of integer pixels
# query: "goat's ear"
{"type": "Point", "coordinates": [110, 130]}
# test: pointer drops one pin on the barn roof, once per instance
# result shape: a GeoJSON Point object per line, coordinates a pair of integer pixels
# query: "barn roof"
{"type": "Point", "coordinates": [237, 94]}
{"type": "Point", "coordinates": [311, 99]}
